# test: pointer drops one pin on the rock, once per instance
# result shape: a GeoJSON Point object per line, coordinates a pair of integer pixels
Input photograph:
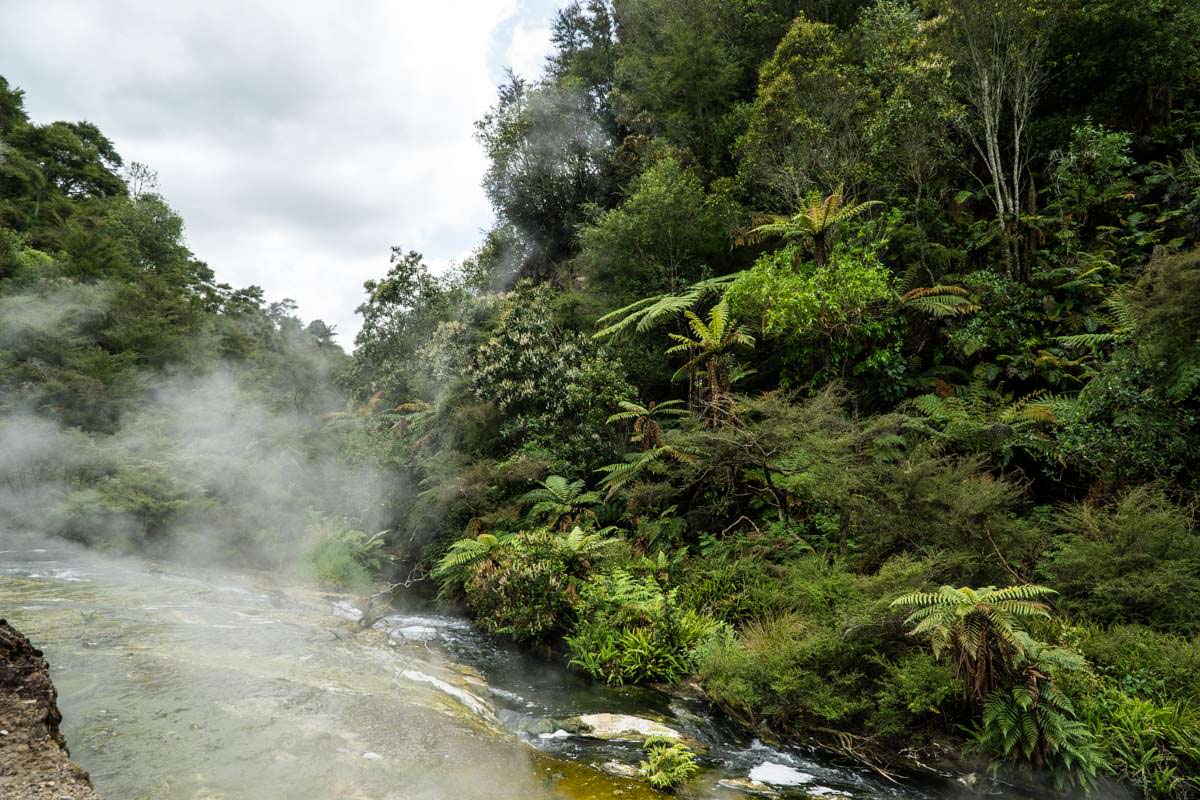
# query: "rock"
{"type": "Point", "coordinates": [34, 763]}
{"type": "Point", "coordinates": [622, 727]}
{"type": "Point", "coordinates": [464, 695]}
{"type": "Point", "coordinates": [620, 769]}
{"type": "Point", "coordinates": [779, 775]}
{"type": "Point", "coordinates": [747, 786]}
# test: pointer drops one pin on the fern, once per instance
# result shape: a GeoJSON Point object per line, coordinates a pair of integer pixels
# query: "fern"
{"type": "Point", "coordinates": [635, 465]}
{"type": "Point", "coordinates": [982, 629]}
{"type": "Point", "coordinates": [559, 501]}
{"type": "Point", "coordinates": [465, 554]}
{"type": "Point", "coordinates": [814, 222]}
{"type": "Point", "coordinates": [979, 418]}
{"type": "Point", "coordinates": [644, 314]}
{"type": "Point", "coordinates": [939, 301]}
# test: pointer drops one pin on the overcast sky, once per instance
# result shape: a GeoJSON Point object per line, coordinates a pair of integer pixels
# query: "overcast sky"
{"type": "Point", "coordinates": [299, 139]}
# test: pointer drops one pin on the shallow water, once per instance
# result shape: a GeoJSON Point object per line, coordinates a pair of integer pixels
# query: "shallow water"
{"type": "Point", "coordinates": [179, 684]}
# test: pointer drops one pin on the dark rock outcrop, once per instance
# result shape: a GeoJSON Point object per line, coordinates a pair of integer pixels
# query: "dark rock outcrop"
{"type": "Point", "coordinates": [34, 763]}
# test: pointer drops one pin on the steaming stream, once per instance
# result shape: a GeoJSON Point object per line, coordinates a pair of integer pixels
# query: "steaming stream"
{"type": "Point", "coordinates": [183, 685]}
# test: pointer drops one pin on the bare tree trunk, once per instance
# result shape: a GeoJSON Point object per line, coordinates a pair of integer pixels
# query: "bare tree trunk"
{"type": "Point", "coordinates": [1001, 50]}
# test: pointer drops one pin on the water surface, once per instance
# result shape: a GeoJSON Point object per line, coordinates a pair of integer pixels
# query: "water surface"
{"type": "Point", "coordinates": [184, 684]}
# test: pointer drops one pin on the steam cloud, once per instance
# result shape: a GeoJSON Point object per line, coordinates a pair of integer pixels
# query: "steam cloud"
{"type": "Point", "coordinates": [206, 467]}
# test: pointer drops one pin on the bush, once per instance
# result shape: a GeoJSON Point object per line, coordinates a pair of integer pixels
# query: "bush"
{"type": "Point", "coordinates": [1143, 662]}
{"type": "Point", "coordinates": [521, 596]}
{"type": "Point", "coordinates": [1154, 745]}
{"type": "Point", "coordinates": [789, 673]}
{"type": "Point", "coordinates": [631, 631]}
{"type": "Point", "coordinates": [554, 386]}
{"type": "Point", "coordinates": [835, 655]}
{"type": "Point", "coordinates": [1137, 560]}
{"type": "Point", "coordinates": [343, 558]}
{"type": "Point", "coordinates": [736, 590]}
{"type": "Point", "coordinates": [523, 584]}
{"type": "Point", "coordinates": [912, 693]}
{"type": "Point", "coordinates": [801, 299]}
{"type": "Point", "coordinates": [668, 763]}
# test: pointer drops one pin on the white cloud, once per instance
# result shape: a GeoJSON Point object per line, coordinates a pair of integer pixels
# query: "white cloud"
{"type": "Point", "coordinates": [528, 51]}
{"type": "Point", "coordinates": [299, 140]}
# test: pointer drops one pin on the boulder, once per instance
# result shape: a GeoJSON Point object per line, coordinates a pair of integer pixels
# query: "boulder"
{"type": "Point", "coordinates": [621, 727]}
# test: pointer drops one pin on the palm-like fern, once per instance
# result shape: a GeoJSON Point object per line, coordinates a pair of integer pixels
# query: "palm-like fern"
{"type": "Point", "coordinates": [464, 555]}
{"type": "Point", "coordinates": [979, 418]}
{"type": "Point", "coordinates": [559, 501]}
{"type": "Point", "coordinates": [579, 545]}
{"type": "Point", "coordinates": [1120, 319]}
{"type": "Point", "coordinates": [644, 314]}
{"type": "Point", "coordinates": [1033, 721]}
{"type": "Point", "coordinates": [939, 301]}
{"type": "Point", "coordinates": [708, 348]}
{"type": "Point", "coordinates": [981, 629]}
{"type": "Point", "coordinates": [647, 430]}
{"type": "Point", "coordinates": [814, 222]}
{"type": "Point", "coordinates": [637, 464]}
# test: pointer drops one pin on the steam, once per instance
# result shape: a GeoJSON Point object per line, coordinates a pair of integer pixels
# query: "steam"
{"type": "Point", "coordinates": [208, 467]}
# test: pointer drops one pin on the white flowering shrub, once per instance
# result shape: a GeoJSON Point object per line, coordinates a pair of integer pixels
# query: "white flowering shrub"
{"type": "Point", "coordinates": [554, 387]}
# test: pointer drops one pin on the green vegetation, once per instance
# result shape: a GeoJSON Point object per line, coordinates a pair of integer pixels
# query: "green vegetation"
{"type": "Point", "coordinates": [841, 356]}
{"type": "Point", "coordinates": [668, 763]}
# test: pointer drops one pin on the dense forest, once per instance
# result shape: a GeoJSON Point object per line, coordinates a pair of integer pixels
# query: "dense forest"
{"type": "Point", "coordinates": [841, 357]}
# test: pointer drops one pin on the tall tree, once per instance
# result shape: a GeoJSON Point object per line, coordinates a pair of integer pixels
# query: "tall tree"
{"type": "Point", "coordinates": [1000, 48]}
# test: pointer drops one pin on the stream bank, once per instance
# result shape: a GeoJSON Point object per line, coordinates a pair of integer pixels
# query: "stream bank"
{"type": "Point", "coordinates": [34, 762]}
{"type": "Point", "coordinates": [179, 683]}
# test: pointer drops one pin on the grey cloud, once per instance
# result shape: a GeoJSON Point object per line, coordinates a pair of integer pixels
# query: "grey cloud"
{"type": "Point", "coordinates": [299, 140]}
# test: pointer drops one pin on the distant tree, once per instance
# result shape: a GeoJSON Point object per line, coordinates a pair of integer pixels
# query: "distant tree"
{"type": "Point", "coordinates": [549, 160]}
{"type": "Point", "coordinates": [661, 238]}
{"type": "Point", "coordinates": [805, 128]}
{"type": "Point", "coordinates": [585, 53]}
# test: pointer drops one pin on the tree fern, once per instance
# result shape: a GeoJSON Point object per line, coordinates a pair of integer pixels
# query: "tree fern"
{"type": "Point", "coordinates": [1032, 721]}
{"type": "Point", "coordinates": [559, 501]}
{"type": "Point", "coordinates": [636, 465]}
{"type": "Point", "coordinates": [644, 314]}
{"type": "Point", "coordinates": [981, 419]}
{"type": "Point", "coordinates": [465, 554]}
{"type": "Point", "coordinates": [939, 301]}
{"type": "Point", "coordinates": [981, 629]}
{"type": "Point", "coordinates": [647, 431]}
{"type": "Point", "coordinates": [814, 222]}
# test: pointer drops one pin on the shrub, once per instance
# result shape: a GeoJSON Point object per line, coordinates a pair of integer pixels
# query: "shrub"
{"type": "Point", "coordinates": [520, 594]}
{"type": "Point", "coordinates": [668, 763]}
{"type": "Point", "coordinates": [1143, 662]}
{"type": "Point", "coordinates": [736, 590]}
{"type": "Point", "coordinates": [1137, 560]}
{"type": "Point", "coordinates": [788, 672]}
{"type": "Point", "coordinates": [523, 584]}
{"type": "Point", "coordinates": [799, 299]}
{"type": "Point", "coordinates": [554, 386]}
{"type": "Point", "coordinates": [343, 558]}
{"type": "Point", "coordinates": [631, 631]}
{"type": "Point", "coordinates": [1154, 745]}
{"type": "Point", "coordinates": [912, 693]}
